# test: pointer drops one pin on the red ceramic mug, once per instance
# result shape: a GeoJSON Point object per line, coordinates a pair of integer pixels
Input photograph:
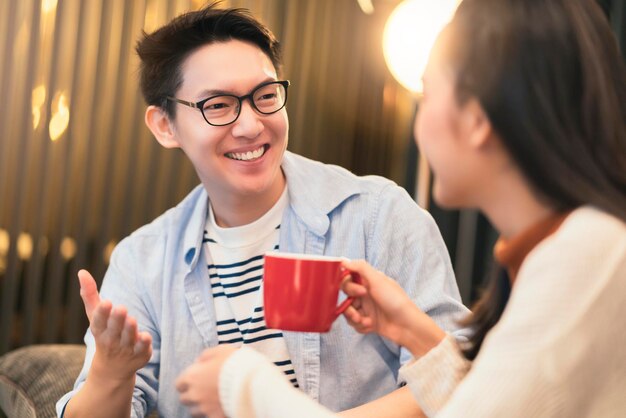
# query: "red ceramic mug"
{"type": "Point", "coordinates": [300, 291]}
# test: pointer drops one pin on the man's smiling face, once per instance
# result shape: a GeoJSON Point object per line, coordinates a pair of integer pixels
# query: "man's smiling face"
{"type": "Point", "coordinates": [242, 159]}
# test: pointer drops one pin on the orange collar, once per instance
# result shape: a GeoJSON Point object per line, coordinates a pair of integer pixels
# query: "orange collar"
{"type": "Point", "coordinates": [510, 253]}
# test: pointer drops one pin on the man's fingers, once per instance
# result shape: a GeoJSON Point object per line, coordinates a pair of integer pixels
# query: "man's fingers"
{"type": "Point", "coordinates": [88, 292]}
{"type": "Point", "coordinates": [129, 333]}
{"type": "Point", "coordinates": [143, 344]}
{"type": "Point", "coordinates": [100, 317]}
{"type": "Point", "coordinates": [116, 322]}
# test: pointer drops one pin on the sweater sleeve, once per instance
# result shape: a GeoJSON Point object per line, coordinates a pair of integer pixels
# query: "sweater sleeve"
{"type": "Point", "coordinates": [433, 378]}
{"type": "Point", "coordinates": [552, 353]}
{"type": "Point", "coordinates": [251, 387]}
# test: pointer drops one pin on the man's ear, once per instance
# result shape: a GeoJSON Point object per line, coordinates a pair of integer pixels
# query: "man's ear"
{"type": "Point", "coordinates": [159, 123]}
{"type": "Point", "coordinates": [476, 124]}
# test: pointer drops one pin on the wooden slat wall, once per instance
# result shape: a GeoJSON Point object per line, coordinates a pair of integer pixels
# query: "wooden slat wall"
{"type": "Point", "coordinates": [65, 203]}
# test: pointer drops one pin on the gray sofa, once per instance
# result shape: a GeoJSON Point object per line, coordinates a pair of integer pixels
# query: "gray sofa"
{"type": "Point", "coordinates": [33, 378]}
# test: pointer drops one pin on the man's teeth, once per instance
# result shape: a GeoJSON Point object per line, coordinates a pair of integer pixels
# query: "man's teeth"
{"type": "Point", "coordinates": [246, 156]}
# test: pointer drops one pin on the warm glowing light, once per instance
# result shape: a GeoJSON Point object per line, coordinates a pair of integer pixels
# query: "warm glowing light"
{"type": "Point", "coordinates": [60, 117]}
{"type": "Point", "coordinates": [4, 249]}
{"type": "Point", "coordinates": [409, 36]}
{"type": "Point", "coordinates": [36, 116]}
{"type": "Point", "coordinates": [4, 242]}
{"type": "Point", "coordinates": [197, 4]}
{"type": "Point", "coordinates": [151, 18]}
{"type": "Point", "coordinates": [38, 99]}
{"type": "Point", "coordinates": [68, 248]}
{"type": "Point", "coordinates": [48, 6]}
{"type": "Point", "coordinates": [366, 6]}
{"type": "Point", "coordinates": [24, 246]}
{"type": "Point", "coordinates": [108, 250]}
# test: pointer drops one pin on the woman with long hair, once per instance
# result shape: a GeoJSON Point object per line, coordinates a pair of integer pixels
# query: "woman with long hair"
{"type": "Point", "coordinates": [524, 118]}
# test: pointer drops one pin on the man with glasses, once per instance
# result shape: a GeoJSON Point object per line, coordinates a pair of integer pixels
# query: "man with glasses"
{"type": "Point", "coordinates": [224, 109]}
{"type": "Point", "coordinates": [192, 278]}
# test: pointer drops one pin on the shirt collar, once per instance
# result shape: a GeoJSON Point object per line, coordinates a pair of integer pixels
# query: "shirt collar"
{"type": "Point", "coordinates": [315, 192]}
{"type": "Point", "coordinates": [511, 253]}
{"type": "Point", "coordinates": [194, 210]}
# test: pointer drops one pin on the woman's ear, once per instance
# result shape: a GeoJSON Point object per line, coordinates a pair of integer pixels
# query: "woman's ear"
{"type": "Point", "coordinates": [161, 127]}
{"type": "Point", "coordinates": [476, 124]}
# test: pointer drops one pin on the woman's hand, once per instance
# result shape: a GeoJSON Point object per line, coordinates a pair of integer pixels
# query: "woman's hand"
{"type": "Point", "coordinates": [198, 384]}
{"type": "Point", "coordinates": [120, 349]}
{"type": "Point", "coordinates": [380, 305]}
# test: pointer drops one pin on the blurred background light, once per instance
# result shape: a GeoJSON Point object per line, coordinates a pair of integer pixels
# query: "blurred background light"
{"type": "Point", "coordinates": [48, 6]}
{"type": "Point", "coordinates": [366, 6]}
{"type": "Point", "coordinates": [409, 35]}
{"type": "Point", "coordinates": [24, 246]}
{"type": "Point", "coordinates": [60, 117]}
{"type": "Point", "coordinates": [108, 251]}
{"type": "Point", "coordinates": [38, 100]}
{"type": "Point", "coordinates": [4, 242]}
{"type": "Point", "coordinates": [68, 248]}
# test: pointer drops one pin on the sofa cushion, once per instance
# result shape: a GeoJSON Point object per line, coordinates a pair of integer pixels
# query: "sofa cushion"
{"type": "Point", "coordinates": [33, 378]}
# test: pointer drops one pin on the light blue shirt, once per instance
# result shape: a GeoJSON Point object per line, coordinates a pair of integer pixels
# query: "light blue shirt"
{"type": "Point", "coordinates": [158, 274]}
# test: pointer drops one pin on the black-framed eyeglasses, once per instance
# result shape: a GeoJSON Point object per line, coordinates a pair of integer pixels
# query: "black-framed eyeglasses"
{"type": "Point", "coordinates": [224, 109]}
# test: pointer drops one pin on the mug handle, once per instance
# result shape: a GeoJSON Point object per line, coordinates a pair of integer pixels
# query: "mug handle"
{"type": "Point", "coordinates": [356, 277]}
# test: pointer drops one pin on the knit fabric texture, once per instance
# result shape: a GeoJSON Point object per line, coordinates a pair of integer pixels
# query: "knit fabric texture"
{"type": "Point", "coordinates": [33, 378]}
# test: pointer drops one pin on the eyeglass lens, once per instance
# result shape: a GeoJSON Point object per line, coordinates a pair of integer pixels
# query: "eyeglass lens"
{"type": "Point", "coordinates": [222, 110]}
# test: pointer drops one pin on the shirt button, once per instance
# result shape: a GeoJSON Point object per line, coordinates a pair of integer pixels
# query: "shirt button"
{"type": "Point", "coordinates": [189, 255]}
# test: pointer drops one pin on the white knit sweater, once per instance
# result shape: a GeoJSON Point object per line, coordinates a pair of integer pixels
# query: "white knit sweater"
{"type": "Point", "coordinates": [558, 350]}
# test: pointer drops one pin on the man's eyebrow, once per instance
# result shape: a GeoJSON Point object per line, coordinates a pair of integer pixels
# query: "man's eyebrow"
{"type": "Point", "coordinates": [216, 92]}
{"type": "Point", "coordinates": [208, 93]}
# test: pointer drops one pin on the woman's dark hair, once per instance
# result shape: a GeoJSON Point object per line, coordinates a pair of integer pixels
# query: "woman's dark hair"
{"type": "Point", "coordinates": [163, 52]}
{"type": "Point", "coordinates": [549, 75]}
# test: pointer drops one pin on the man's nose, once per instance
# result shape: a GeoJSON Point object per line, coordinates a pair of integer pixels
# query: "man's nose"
{"type": "Point", "coordinates": [249, 124]}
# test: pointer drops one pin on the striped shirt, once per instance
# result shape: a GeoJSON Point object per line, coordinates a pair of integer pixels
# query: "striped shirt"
{"type": "Point", "coordinates": [236, 275]}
